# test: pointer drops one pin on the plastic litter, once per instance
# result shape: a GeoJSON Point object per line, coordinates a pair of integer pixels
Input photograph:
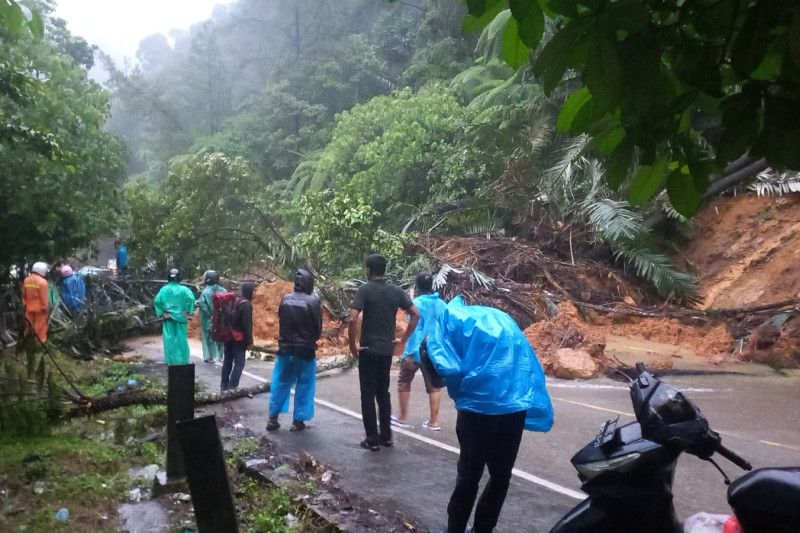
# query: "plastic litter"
{"type": "Point", "coordinates": [705, 523]}
{"type": "Point", "coordinates": [132, 382]}
{"type": "Point", "coordinates": [488, 365]}
{"type": "Point", "coordinates": [62, 515]}
{"type": "Point", "coordinates": [38, 487]}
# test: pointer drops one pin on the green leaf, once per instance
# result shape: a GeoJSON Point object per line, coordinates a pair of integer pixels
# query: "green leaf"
{"type": "Point", "coordinates": [570, 109]}
{"type": "Point", "coordinates": [36, 24]}
{"type": "Point", "coordinates": [647, 181]}
{"type": "Point", "coordinates": [780, 135]}
{"type": "Point", "coordinates": [603, 72]}
{"type": "Point", "coordinates": [473, 23]}
{"type": "Point", "coordinates": [629, 15]}
{"type": "Point", "coordinates": [476, 7]}
{"type": "Point", "coordinates": [751, 43]}
{"type": "Point", "coordinates": [568, 8]}
{"type": "Point", "coordinates": [770, 67]}
{"type": "Point", "coordinates": [555, 57]}
{"type": "Point", "coordinates": [683, 193]}
{"type": "Point", "coordinates": [793, 37]}
{"type": "Point", "coordinates": [618, 163]}
{"type": "Point", "coordinates": [515, 52]}
{"type": "Point", "coordinates": [14, 17]}
{"type": "Point", "coordinates": [607, 142]}
{"type": "Point", "coordinates": [741, 122]}
{"type": "Point", "coordinates": [522, 8]}
{"type": "Point", "coordinates": [530, 21]}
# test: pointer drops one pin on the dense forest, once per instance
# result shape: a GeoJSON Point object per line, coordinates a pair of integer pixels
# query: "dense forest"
{"type": "Point", "coordinates": [277, 132]}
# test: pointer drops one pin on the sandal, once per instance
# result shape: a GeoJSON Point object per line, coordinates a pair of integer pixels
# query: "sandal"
{"type": "Point", "coordinates": [427, 425]}
{"type": "Point", "coordinates": [297, 425]}
{"type": "Point", "coordinates": [273, 424]}
{"type": "Point", "coordinates": [397, 423]}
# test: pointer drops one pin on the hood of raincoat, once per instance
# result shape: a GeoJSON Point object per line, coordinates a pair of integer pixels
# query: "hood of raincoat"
{"type": "Point", "coordinates": [67, 271]}
{"type": "Point", "coordinates": [430, 308]}
{"type": "Point", "coordinates": [247, 290]}
{"type": "Point", "coordinates": [211, 277]}
{"type": "Point", "coordinates": [303, 281]}
{"type": "Point", "coordinates": [488, 364]}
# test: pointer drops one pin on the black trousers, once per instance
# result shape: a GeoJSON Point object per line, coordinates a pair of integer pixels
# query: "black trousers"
{"type": "Point", "coordinates": [485, 440]}
{"type": "Point", "coordinates": [373, 379]}
{"type": "Point", "coordinates": [232, 365]}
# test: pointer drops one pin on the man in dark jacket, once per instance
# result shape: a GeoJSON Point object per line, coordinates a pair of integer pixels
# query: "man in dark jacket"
{"type": "Point", "coordinates": [233, 361]}
{"type": "Point", "coordinates": [300, 316]}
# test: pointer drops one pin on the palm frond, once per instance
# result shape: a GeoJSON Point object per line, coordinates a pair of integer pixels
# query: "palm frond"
{"type": "Point", "coordinates": [490, 42]}
{"type": "Point", "coordinates": [614, 220]}
{"type": "Point", "coordinates": [440, 279]}
{"type": "Point", "coordinates": [658, 270]}
{"type": "Point", "coordinates": [771, 183]}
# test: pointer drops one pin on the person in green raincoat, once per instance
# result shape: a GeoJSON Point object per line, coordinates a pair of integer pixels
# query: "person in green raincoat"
{"type": "Point", "coordinates": [211, 349]}
{"type": "Point", "coordinates": [175, 303]}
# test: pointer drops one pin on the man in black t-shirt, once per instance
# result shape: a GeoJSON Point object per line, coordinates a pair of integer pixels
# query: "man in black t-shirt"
{"type": "Point", "coordinates": [379, 302]}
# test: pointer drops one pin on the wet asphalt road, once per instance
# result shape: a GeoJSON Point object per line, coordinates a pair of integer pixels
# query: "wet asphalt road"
{"type": "Point", "coordinates": [756, 411]}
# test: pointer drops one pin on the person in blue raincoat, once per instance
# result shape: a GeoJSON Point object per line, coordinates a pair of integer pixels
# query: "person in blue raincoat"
{"type": "Point", "coordinates": [430, 308]}
{"type": "Point", "coordinates": [300, 326]}
{"type": "Point", "coordinates": [175, 304]}
{"type": "Point", "coordinates": [122, 259]}
{"type": "Point", "coordinates": [212, 350]}
{"type": "Point", "coordinates": [73, 290]}
{"type": "Point", "coordinates": [498, 386]}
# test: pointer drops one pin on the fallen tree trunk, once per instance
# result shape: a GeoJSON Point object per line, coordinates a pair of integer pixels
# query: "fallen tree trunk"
{"type": "Point", "coordinates": [93, 406]}
{"type": "Point", "coordinates": [89, 406]}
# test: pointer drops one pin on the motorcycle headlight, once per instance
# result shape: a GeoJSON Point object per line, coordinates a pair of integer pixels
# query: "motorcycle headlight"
{"type": "Point", "coordinates": [591, 470]}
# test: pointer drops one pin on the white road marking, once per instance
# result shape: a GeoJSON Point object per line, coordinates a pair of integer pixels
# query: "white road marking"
{"type": "Point", "coordinates": [555, 487]}
{"type": "Point", "coordinates": [519, 473]}
{"type": "Point", "coordinates": [561, 384]}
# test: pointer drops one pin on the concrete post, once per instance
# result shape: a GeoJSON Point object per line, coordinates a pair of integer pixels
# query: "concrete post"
{"type": "Point", "coordinates": [208, 479]}
{"type": "Point", "coordinates": [180, 406]}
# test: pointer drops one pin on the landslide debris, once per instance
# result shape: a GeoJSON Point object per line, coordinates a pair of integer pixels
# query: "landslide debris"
{"type": "Point", "coordinates": [746, 251]}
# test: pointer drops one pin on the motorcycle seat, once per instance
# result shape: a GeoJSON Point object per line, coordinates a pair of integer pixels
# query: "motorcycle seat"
{"type": "Point", "coordinates": [767, 500]}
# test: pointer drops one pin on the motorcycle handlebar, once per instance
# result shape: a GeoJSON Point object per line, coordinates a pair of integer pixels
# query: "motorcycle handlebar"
{"type": "Point", "coordinates": [732, 457]}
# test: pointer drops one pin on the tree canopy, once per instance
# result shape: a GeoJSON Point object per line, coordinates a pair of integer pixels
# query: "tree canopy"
{"type": "Point", "coordinates": [671, 92]}
{"type": "Point", "coordinates": [61, 170]}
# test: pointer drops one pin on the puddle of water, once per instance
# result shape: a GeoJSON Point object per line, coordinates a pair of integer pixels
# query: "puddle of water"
{"type": "Point", "coordinates": [143, 517]}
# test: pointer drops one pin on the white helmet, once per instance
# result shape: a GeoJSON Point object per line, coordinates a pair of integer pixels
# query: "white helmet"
{"type": "Point", "coordinates": [40, 268]}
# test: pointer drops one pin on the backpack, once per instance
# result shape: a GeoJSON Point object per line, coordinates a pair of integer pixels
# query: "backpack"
{"type": "Point", "coordinates": [223, 315]}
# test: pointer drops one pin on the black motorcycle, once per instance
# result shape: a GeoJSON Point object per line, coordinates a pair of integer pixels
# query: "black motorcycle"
{"type": "Point", "coordinates": [628, 471]}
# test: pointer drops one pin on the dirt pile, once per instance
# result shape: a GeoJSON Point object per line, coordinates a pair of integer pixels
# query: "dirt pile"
{"type": "Point", "coordinates": [776, 346]}
{"type": "Point", "coordinates": [566, 346]}
{"type": "Point", "coordinates": [266, 300]}
{"type": "Point", "coordinates": [572, 344]}
{"type": "Point", "coordinates": [746, 251]}
{"type": "Point", "coordinates": [519, 263]}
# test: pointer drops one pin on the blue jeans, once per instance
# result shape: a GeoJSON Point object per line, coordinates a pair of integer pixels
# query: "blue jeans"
{"type": "Point", "coordinates": [302, 373]}
{"type": "Point", "coordinates": [232, 365]}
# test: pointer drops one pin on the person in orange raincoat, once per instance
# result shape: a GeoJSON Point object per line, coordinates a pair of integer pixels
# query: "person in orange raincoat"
{"type": "Point", "coordinates": [34, 297]}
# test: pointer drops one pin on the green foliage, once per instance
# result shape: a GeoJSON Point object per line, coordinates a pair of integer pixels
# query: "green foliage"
{"type": "Point", "coordinates": [61, 170]}
{"type": "Point", "coordinates": [29, 396]}
{"type": "Point", "coordinates": [383, 149]}
{"type": "Point", "coordinates": [623, 229]}
{"type": "Point", "coordinates": [650, 68]}
{"type": "Point", "coordinates": [211, 211]}
{"type": "Point", "coordinates": [341, 229]}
